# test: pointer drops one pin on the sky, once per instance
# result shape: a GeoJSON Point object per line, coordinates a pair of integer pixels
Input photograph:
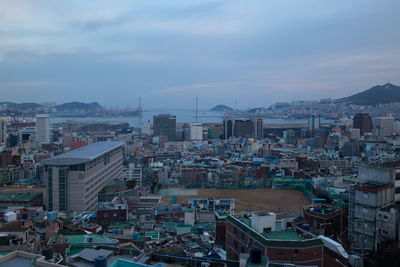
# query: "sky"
{"type": "Point", "coordinates": [239, 53]}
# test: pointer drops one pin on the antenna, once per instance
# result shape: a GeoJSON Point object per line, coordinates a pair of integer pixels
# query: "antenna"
{"type": "Point", "coordinates": [196, 108]}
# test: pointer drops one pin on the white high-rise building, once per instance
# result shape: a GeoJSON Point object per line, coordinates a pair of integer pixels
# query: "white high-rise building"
{"type": "Point", "coordinates": [146, 128]}
{"type": "Point", "coordinates": [196, 131]}
{"type": "Point", "coordinates": [43, 128]}
{"type": "Point", "coordinates": [74, 179]}
{"type": "Point", "coordinates": [383, 126]}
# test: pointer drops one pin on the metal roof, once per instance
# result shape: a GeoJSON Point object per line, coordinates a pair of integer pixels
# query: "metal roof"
{"type": "Point", "coordinates": [83, 154]}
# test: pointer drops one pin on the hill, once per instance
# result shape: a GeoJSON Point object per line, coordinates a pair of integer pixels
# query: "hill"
{"type": "Point", "coordinates": [91, 107]}
{"type": "Point", "coordinates": [379, 94]}
{"type": "Point", "coordinates": [21, 106]}
{"type": "Point", "coordinates": [220, 108]}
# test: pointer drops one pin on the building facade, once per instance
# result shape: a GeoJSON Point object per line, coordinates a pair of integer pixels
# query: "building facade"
{"type": "Point", "coordinates": [280, 242]}
{"type": "Point", "coordinates": [383, 126]}
{"type": "Point", "coordinates": [43, 128]}
{"type": "Point", "coordinates": [363, 122]}
{"type": "Point", "coordinates": [74, 179]}
{"type": "Point", "coordinates": [165, 125]}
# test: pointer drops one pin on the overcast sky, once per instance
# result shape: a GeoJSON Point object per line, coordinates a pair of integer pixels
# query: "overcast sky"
{"type": "Point", "coordinates": [238, 53]}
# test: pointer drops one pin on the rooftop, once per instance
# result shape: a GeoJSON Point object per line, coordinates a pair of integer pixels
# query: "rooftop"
{"type": "Point", "coordinates": [19, 197]}
{"type": "Point", "coordinates": [284, 235]}
{"type": "Point", "coordinates": [275, 239]}
{"type": "Point", "coordinates": [83, 154]}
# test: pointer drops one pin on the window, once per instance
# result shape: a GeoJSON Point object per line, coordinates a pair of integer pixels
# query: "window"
{"type": "Point", "coordinates": [234, 230]}
{"type": "Point", "coordinates": [365, 210]}
{"type": "Point", "coordinates": [235, 244]}
{"type": "Point", "coordinates": [397, 176]}
{"type": "Point", "coordinates": [365, 195]}
{"type": "Point", "coordinates": [365, 225]}
{"type": "Point", "coordinates": [397, 190]}
{"type": "Point", "coordinates": [242, 235]}
{"type": "Point", "coordinates": [267, 230]}
{"type": "Point", "coordinates": [242, 249]}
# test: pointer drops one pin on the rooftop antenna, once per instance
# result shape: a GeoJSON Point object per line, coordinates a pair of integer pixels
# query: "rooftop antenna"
{"type": "Point", "coordinates": [196, 108]}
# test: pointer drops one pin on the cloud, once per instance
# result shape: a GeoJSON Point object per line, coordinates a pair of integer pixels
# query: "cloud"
{"type": "Point", "coordinates": [168, 51]}
{"type": "Point", "coordinates": [25, 84]}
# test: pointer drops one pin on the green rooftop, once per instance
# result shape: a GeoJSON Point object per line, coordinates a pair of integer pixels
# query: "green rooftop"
{"type": "Point", "coordinates": [19, 197]}
{"type": "Point", "coordinates": [5, 252]}
{"type": "Point", "coordinates": [270, 242]}
{"type": "Point", "coordinates": [284, 235]}
{"type": "Point", "coordinates": [81, 239]}
{"type": "Point", "coordinates": [125, 263]}
{"type": "Point", "coordinates": [153, 235]}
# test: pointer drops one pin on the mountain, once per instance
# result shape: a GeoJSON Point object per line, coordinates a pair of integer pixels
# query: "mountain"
{"type": "Point", "coordinates": [220, 108]}
{"type": "Point", "coordinates": [379, 94]}
{"type": "Point", "coordinates": [91, 107]}
{"type": "Point", "coordinates": [21, 106]}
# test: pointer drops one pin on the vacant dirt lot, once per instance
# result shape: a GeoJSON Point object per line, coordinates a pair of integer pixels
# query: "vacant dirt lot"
{"type": "Point", "coordinates": [290, 201]}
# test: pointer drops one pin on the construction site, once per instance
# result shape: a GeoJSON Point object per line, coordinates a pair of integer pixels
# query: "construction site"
{"type": "Point", "coordinates": [289, 201]}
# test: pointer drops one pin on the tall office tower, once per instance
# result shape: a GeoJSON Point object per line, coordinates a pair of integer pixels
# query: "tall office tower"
{"type": "Point", "coordinates": [243, 128]}
{"type": "Point", "coordinates": [74, 179]}
{"type": "Point", "coordinates": [313, 123]}
{"type": "Point", "coordinates": [228, 127]}
{"type": "Point", "coordinates": [43, 128]}
{"type": "Point", "coordinates": [363, 122]}
{"type": "Point", "coordinates": [196, 131]}
{"type": "Point", "coordinates": [165, 125]}
{"type": "Point", "coordinates": [3, 131]}
{"type": "Point", "coordinates": [383, 126]}
{"type": "Point", "coordinates": [259, 128]}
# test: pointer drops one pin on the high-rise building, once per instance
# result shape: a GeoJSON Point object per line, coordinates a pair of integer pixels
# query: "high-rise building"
{"type": "Point", "coordinates": [313, 123]}
{"type": "Point", "coordinates": [43, 128]}
{"type": "Point", "coordinates": [196, 131]}
{"type": "Point", "coordinates": [228, 127]}
{"type": "Point", "coordinates": [165, 125]}
{"type": "Point", "coordinates": [243, 128]}
{"type": "Point", "coordinates": [363, 122]}
{"type": "Point", "coordinates": [74, 179]}
{"type": "Point", "coordinates": [383, 126]}
{"type": "Point", "coordinates": [259, 128]}
{"type": "Point", "coordinates": [3, 131]}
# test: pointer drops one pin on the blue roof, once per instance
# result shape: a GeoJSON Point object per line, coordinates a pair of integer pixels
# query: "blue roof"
{"type": "Point", "coordinates": [83, 154]}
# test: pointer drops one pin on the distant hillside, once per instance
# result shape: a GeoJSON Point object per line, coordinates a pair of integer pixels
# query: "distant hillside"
{"type": "Point", "coordinates": [91, 107]}
{"type": "Point", "coordinates": [257, 110]}
{"type": "Point", "coordinates": [220, 108]}
{"type": "Point", "coordinates": [380, 94]}
{"type": "Point", "coordinates": [22, 106]}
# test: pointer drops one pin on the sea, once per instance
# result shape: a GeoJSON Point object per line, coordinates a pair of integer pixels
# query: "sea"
{"type": "Point", "coordinates": [182, 116]}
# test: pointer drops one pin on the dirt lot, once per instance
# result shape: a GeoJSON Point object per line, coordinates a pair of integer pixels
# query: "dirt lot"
{"type": "Point", "coordinates": [290, 201]}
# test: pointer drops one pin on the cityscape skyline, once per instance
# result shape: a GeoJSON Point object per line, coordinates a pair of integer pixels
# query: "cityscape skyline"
{"type": "Point", "coordinates": [226, 53]}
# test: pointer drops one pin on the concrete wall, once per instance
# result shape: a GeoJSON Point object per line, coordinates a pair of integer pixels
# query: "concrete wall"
{"type": "Point", "coordinates": [259, 222]}
{"type": "Point", "coordinates": [372, 173]}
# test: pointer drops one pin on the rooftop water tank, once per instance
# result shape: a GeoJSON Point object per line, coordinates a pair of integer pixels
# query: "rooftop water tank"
{"type": "Point", "coordinates": [255, 255]}
{"type": "Point", "coordinates": [24, 216]}
{"type": "Point", "coordinates": [47, 252]}
{"type": "Point", "coordinates": [305, 227]}
{"type": "Point", "coordinates": [200, 230]}
{"type": "Point", "coordinates": [100, 261]}
{"type": "Point", "coordinates": [135, 236]}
